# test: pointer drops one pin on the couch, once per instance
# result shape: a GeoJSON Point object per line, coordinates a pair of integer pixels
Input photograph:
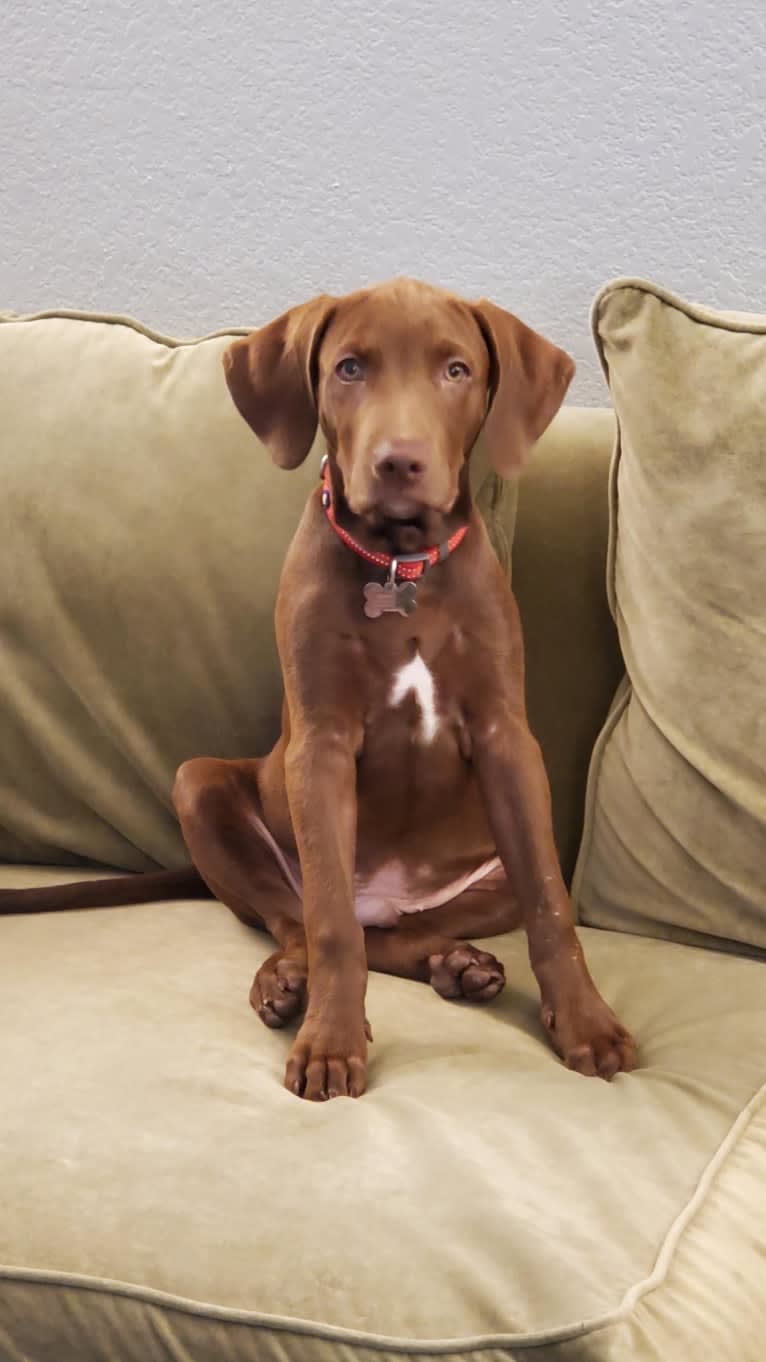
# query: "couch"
{"type": "Point", "coordinates": [162, 1197]}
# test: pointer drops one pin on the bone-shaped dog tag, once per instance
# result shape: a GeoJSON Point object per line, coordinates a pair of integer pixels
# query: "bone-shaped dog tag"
{"type": "Point", "coordinates": [398, 598]}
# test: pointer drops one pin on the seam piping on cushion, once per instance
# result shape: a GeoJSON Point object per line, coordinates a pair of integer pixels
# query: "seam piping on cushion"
{"type": "Point", "coordinates": [747, 323]}
{"type": "Point", "coordinates": [115, 319]}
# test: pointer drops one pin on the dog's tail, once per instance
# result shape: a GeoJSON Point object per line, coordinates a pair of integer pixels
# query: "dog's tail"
{"type": "Point", "coordinates": [111, 893]}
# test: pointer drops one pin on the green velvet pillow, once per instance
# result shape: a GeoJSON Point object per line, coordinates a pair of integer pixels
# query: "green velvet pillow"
{"type": "Point", "coordinates": [676, 811]}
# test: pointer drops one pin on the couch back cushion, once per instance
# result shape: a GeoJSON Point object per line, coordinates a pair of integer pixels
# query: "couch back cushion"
{"type": "Point", "coordinates": [142, 533]}
{"type": "Point", "coordinates": [676, 819]}
{"type": "Point", "coordinates": [573, 661]}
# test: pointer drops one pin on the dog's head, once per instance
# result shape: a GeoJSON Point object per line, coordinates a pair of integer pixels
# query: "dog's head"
{"type": "Point", "coordinates": [401, 378]}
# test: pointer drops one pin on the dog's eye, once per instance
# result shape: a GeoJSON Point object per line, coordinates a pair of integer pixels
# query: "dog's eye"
{"type": "Point", "coordinates": [349, 370]}
{"type": "Point", "coordinates": [457, 369]}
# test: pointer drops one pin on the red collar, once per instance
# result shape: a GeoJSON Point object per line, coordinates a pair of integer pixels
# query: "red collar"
{"type": "Point", "coordinates": [408, 566]}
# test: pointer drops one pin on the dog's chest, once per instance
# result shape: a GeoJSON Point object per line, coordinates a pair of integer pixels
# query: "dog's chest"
{"type": "Point", "coordinates": [414, 680]}
{"type": "Point", "coordinates": [414, 721]}
{"type": "Point", "coordinates": [419, 818]}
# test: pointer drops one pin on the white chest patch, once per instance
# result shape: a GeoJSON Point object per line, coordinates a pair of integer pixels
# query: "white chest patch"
{"type": "Point", "coordinates": [416, 677]}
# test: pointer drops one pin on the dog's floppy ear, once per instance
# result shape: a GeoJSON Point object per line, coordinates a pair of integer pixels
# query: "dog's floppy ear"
{"type": "Point", "coordinates": [528, 379]}
{"type": "Point", "coordinates": [272, 377]}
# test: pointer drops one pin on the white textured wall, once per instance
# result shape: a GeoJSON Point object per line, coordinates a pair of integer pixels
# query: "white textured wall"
{"type": "Point", "coordinates": [196, 163]}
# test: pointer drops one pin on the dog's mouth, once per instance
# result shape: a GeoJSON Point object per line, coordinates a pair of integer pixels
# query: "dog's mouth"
{"type": "Point", "coordinates": [398, 521]}
{"type": "Point", "coordinates": [405, 529]}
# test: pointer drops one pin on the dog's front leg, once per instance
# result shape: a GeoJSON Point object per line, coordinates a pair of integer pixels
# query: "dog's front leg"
{"type": "Point", "coordinates": [329, 1057]}
{"type": "Point", "coordinates": [514, 786]}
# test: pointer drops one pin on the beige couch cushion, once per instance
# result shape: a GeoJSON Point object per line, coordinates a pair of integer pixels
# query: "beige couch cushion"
{"type": "Point", "coordinates": [142, 532]}
{"type": "Point", "coordinates": [676, 818]}
{"type": "Point", "coordinates": [163, 1197]}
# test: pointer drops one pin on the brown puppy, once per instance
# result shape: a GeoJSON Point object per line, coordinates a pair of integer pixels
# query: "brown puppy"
{"type": "Point", "coordinates": [405, 805]}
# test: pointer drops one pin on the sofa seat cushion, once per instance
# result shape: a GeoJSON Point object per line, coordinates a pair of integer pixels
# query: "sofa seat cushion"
{"type": "Point", "coordinates": [164, 1197]}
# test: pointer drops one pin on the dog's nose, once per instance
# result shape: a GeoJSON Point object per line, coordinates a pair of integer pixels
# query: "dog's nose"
{"type": "Point", "coordinates": [401, 462]}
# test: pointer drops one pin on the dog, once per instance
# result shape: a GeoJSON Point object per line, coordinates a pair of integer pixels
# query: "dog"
{"type": "Point", "coordinates": [404, 809]}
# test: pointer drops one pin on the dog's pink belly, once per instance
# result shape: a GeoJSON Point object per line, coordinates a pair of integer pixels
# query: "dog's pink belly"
{"type": "Point", "coordinates": [390, 892]}
{"type": "Point", "coordinates": [382, 898]}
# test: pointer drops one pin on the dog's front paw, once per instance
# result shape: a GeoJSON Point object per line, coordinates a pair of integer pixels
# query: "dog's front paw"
{"type": "Point", "coordinates": [328, 1059]}
{"type": "Point", "coordinates": [587, 1034]}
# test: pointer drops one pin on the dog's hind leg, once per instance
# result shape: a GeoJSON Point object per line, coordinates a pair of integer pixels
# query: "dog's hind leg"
{"type": "Point", "coordinates": [221, 815]}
